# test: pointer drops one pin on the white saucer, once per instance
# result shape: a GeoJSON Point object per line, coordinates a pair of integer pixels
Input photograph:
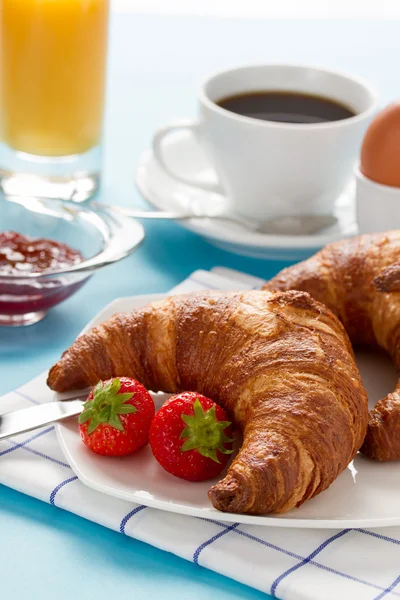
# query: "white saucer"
{"type": "Point", "coordinates": [185, 156]}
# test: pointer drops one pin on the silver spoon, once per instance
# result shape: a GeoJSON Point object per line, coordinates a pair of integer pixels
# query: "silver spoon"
{"type": "Point", "coordinates": [301, 225]}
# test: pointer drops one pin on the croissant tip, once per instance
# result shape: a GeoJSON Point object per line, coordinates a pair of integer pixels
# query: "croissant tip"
{"type": "Point", "coordinates": [56, 381]}
{"type": "Point", "coordinates": [51, 377]}
{"type": "Point", "coordinates": [227, 496]}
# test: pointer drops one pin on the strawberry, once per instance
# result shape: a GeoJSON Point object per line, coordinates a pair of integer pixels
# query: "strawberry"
{"type": "Point", "coordinates": [116, 417]}
{"type": "Point", "coordinates": [190, 437]}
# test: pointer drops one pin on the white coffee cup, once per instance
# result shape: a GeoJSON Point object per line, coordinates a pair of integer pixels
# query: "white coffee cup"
{"type": "Point", "coordinates": [271, 169]}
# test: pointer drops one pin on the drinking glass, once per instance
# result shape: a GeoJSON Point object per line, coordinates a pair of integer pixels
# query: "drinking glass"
{"type": "Point", "coordinates": [52, 86]}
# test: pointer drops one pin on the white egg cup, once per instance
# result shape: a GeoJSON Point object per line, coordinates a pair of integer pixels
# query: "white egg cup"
{"type": "Point", "coordinates": [378, 206]}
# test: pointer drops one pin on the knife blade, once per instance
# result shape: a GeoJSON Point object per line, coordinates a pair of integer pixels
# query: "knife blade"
{"type": "Point", "coordinates": [20, 421]}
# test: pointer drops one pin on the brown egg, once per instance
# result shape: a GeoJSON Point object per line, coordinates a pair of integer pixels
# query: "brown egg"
{"type": "Point", "coordinates": [380, 150]}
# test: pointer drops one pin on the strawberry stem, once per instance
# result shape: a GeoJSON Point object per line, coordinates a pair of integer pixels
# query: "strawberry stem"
{"type": "Point", "coordinates": [204, 433]}
{"type": "Point", "coordinates": [106, 406]}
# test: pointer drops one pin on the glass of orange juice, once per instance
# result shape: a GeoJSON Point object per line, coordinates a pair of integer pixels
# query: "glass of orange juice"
{"type": "Point", "coordinates": [52, 86]}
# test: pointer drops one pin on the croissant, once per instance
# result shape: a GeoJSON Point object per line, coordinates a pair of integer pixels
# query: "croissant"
{"type": "Point", "coordinates": [281, 364]}
{"type": "Point", "coordinates": [359, 280]}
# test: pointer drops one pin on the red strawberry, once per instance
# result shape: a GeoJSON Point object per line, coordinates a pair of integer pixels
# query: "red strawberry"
{"type": "Point", "coordinates": [190, 437]}
{"type": "Point", "coordinates": [116, 417]}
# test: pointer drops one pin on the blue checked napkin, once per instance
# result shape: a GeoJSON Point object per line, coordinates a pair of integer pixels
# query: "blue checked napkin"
{"type": "Point", "coordinates": [313, 564]}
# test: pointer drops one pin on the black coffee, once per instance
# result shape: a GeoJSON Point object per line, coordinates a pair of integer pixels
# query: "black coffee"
{"type": "Point", "coordinates": [286, 107]}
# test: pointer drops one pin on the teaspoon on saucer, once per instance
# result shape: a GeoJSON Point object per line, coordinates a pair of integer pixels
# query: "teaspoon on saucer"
{"type": "Point", "coordinates": [301, 225]}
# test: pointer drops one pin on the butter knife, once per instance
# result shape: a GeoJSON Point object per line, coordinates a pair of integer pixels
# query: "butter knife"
{"type": "Point", "coordinates": [20, 421]}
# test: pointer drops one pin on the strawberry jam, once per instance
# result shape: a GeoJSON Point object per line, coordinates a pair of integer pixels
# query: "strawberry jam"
{"type": "Point", "coordinates": [20, 254]}
{"type": "Point", "coordinates": [25, 300]}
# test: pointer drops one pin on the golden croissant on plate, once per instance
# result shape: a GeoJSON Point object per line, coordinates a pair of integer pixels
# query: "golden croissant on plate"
{"type": "Point", "coordinates": [280, 363]}
{"type": "Point", "coordinates": [359, 280]}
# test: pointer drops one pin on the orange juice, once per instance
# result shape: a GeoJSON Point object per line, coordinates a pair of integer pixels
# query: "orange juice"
{"type": "Point", "coordinates": [52, 74]}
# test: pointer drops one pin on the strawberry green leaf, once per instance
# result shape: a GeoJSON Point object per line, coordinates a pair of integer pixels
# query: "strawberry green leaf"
{"type": "Point", "coordinates": [187, 419]}
{"type": "Point", "coordinates": [116, 422]}
{"type": "Point", "coordinates": [121, 398]}
{"type": "Point", "coordinates": [212, 453]}
{"type": "Point", "coordinates": [185, 433]}
{"type": "Point", "coordinates": [114, 386]}
{"type": "Point", "coordinates": [127, 409]}
{"type": "Point", "coordinates": [224, 450]}
{"type": "Point", "coordinates": [98, 387]}
{"type": "Point", "coordinates": [84, 416]}
{"type": "Point", "coordinates": [189, 444]}
{"type": "Point", "coordinates": [223, 424]}
{"type": "Point", "coordinates": [94, 423]}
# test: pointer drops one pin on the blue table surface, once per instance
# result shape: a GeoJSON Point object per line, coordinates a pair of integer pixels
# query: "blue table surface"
{"type": "Point", "coordinates": [156, 64]}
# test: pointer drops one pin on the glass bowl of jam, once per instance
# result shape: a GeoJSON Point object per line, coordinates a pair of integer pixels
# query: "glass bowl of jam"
{"type": "Point", "coordinates": [50, 248]}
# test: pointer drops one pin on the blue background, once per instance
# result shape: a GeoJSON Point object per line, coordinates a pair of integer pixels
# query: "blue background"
{"type": "Point", "coordinates": [156, 64]}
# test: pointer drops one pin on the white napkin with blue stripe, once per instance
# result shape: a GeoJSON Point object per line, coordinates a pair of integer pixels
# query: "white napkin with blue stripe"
{"type": "Point", "coordinates": [291, 564]}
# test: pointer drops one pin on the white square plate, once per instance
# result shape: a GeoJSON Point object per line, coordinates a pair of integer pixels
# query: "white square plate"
{"type": "Point", "coordinates": [366, 494]}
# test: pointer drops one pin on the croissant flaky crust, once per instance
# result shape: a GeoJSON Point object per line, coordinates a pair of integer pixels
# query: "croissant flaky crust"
{"type": "Point", "coordinates": [359, 280]}
{"type": "Point", "coordinates": [280, 363]}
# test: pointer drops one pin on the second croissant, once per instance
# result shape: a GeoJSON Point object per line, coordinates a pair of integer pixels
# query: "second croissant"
{"type": "Point", "coordinates": [359, 280]}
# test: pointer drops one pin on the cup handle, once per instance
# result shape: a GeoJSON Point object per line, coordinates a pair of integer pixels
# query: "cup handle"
{"type": "Point", "coordinates": [193, 127]}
